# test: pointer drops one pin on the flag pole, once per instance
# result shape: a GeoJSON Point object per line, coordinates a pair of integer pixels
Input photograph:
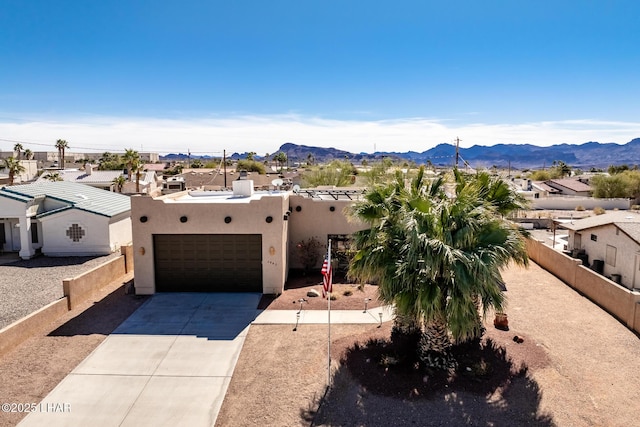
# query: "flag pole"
{"type": "Point", "coordinates": [330, 273]}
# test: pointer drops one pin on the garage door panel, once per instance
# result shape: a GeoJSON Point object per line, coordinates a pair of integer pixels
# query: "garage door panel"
{"type": "Point", "coordinates": [208, 262]}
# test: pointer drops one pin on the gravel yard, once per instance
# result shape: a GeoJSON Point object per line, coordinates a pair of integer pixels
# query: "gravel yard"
{"type": "Point", "coordinates": [27, 286]}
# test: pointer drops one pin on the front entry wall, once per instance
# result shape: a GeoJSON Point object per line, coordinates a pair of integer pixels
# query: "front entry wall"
{"type": "Point", "coordinates": [208, 262]}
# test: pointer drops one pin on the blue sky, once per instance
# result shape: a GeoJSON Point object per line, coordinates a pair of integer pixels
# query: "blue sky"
{"type": "Point", "coordinates": [251, 75]}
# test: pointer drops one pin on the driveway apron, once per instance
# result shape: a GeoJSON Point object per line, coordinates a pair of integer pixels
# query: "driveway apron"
{"type": "Point", "coordinates": [168, 364]}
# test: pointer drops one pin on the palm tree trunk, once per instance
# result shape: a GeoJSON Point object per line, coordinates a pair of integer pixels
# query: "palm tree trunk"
{"type": "Point", "coordinates": [435, 347]}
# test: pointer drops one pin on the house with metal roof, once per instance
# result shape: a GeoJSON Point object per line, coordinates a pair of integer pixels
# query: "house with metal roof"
{"type": "Point", "coordinates": [63, 219]}
{"type": "Point", "coordinates": [610, 243]}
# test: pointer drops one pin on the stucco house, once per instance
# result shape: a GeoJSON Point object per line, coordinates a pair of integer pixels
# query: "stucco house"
{"type": "Point", "coordinates": [612, 243]}
{"type": "Point", "coordinates": [244, 240]}
{"type": "Point", "coordinates": [569, 187]}
{"type": "Point", "coordinates": [90, 175]}
{"type": "Point", "coordinates": [62, 219]}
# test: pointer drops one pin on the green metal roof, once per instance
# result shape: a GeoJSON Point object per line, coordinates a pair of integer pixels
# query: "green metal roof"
{"type": "Point", "coordinates": [79, 196]}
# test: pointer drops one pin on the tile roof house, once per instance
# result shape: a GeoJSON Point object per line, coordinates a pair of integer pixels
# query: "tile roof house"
{"type": "Point", "coordinates": [63, 219]}
{"type": "Point", "coordinates": [612, 243]}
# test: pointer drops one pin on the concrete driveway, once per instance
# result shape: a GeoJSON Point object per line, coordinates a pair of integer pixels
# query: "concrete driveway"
{"type": "Point", "coordinates": [168, 364]}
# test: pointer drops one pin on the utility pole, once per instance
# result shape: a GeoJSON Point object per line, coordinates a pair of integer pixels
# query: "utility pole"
{"type": "Point", "coordinates": [457, 151]}
{"type": "Point", "coordinates": [224, 165]}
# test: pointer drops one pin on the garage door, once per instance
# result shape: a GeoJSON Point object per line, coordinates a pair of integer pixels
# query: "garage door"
{"type": "Point", "coordinates": [208, 262]}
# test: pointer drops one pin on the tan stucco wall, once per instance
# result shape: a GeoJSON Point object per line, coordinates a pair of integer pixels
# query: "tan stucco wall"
{"type": "Point", "coordinates": [315, 219]}
{"type": "Point", "coordinates": [208, 218]}
{"type": "Point", "coordinates": [79, 288]}
{"type": "Point", "coordinates": [562, 266]}
{"type": "Point", "coordinates": [617, 300]}
{"type": "Point", "coordinates": [18, 332]}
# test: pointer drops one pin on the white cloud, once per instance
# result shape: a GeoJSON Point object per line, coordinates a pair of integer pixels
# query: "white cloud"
{"type": "Point", "coordinates": [266, 133]}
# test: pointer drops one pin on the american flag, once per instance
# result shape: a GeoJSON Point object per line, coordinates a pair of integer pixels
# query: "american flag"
{"type": "Point", "coordinates": [326, 276]}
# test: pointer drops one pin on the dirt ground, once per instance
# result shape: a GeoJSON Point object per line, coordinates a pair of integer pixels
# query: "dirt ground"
{"type": "Point", "coordinates": [576, 366]}
{"type": "Point", "coordinates": [581, 365]}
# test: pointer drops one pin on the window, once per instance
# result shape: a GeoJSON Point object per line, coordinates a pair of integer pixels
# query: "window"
{"type": "Point", "coordinates": [3, 239]}
{"type": "Point", "coordinates": [611, 255]}
{"type": "Point", "coordinates": [75, 232]}
{"type": "Point", "coordinates": [594, 237]}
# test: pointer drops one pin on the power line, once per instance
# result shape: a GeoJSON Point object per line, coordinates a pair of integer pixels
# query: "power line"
{"type": "Point", "coordinates": [15, 141]}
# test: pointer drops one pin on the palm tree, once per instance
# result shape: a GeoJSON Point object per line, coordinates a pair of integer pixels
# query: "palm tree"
{"type": "Point", "coordinates": [28, 154]}
{"type": "Point", "coordinates": [131, 159]}
{"type": "Point", "coordinates": [280, 158]}
{"type": "Point", "coordinates": [18, 150]}
{"type": "Point", "coordinates": [138, 169]}
{"type": "Point", "coordinates": [61, 145]}
{"type": "Point", "coordinates": [13, 167]}
{"type": "Point", "coordinates": [54, 177]}
{"type": "Point", "coordinates": [437, 258]}
{"type": "Point", "coordinates": [119, 182]}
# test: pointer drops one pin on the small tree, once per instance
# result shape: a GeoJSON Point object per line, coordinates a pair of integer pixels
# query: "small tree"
{"type": "Point", "coordinates": [308, 252]}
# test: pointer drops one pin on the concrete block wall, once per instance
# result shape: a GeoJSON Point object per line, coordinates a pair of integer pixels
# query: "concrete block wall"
{"type": "Point", "coordinates": [622, 303]}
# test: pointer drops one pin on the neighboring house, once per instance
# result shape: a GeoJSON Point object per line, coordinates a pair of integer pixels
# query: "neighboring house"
{"type": "Point", "coordinates": [243, 240]}
{"type": "Point", "coordinates": [215, 179]}
{"type": "Point", "coordinates": [158, 168]}
{"type": "Point", "coordinates": [612, 243]}
{"type": "Point", "coordinates": [30, 171]}
{"type": "Point", "coordinates": [542, 189]}
{"type": "Point", "coordinates": [63, 219]}
{"type": "Point", "coordinates": [570, 187]}
{"type": "Point", "coordinates": [103, 180]}
{"type": "Point", "coordinates": [89, 175]}
{"type": "Point", "coordinates": [147, 185]}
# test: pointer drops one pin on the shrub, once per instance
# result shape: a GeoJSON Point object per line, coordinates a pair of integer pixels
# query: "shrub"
{"type": "Point", "coordinates": [347, 293]}
{"type": "Point", "coordinates": [598, 210]}
{"type": "Point", "coordinates": [580, 208]}
{"type": "Point", "coordinates": [308, 252]}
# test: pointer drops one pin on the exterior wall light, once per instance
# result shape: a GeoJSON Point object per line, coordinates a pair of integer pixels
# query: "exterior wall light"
{"type": "Point", "coordinates": [298, 208]}
{"type": "Point", "coordinates": [183, 219]}
{"type": "Point", "coordinates": [142, 250]}
{"type": "Point", "coordinates": [332, 208]}
{"type": "Point", "coordinates": [144, 218]}
{"type": "Point", "coordinates": [286, 217]}
{"type": "Point", "coordinates": [269, 219]}
{"type": "Point", "coordinates": [227, 219]}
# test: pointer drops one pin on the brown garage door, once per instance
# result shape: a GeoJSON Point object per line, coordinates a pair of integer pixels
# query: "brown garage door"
{"type": "Point", "coordinates": [208, 262]}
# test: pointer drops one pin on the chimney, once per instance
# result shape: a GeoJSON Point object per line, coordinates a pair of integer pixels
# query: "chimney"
{"type": "Point", "coordinates": [87, 168]}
